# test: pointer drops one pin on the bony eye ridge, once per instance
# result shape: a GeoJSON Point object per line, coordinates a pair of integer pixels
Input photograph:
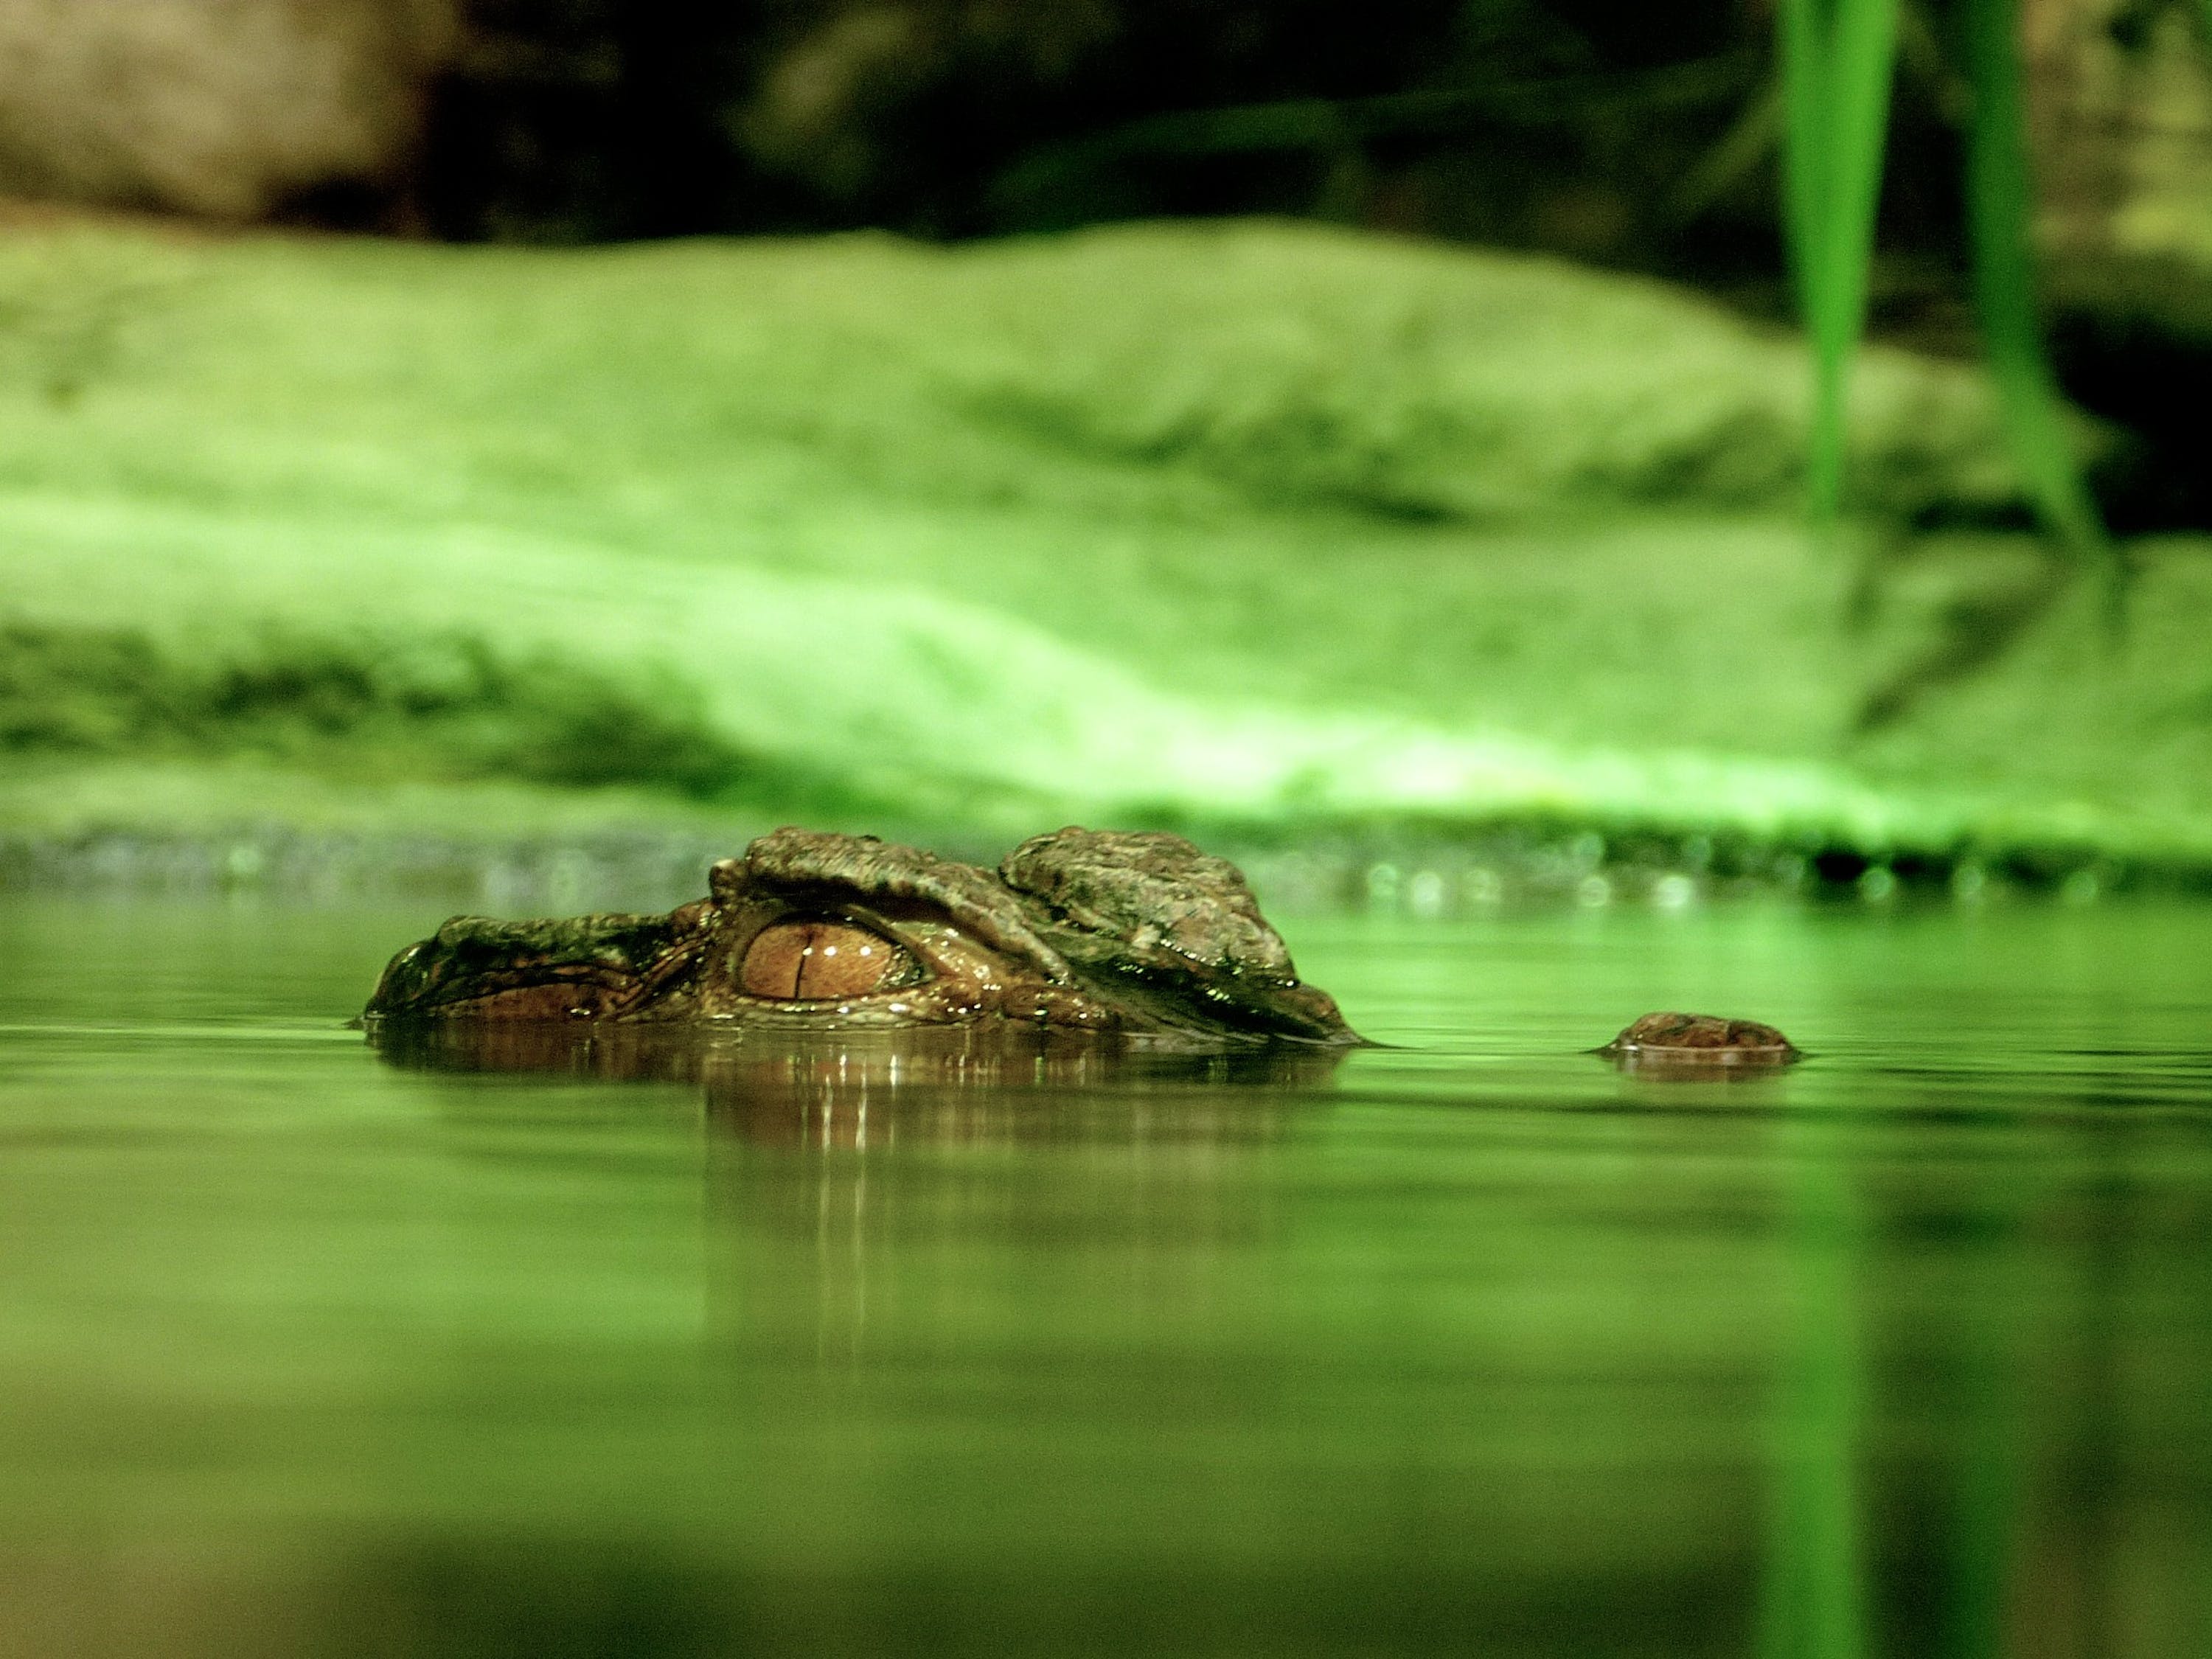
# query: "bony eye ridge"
{"type": "Point", "coordinates": [815, 959]}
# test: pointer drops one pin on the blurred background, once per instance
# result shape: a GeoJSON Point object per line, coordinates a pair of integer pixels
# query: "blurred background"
{"type": "Point", "coordinates": [1638, 139]}
{"type": "Point", "coordinates": [482, 420]}
{"type": "Point", "coordinates": [503, 454]}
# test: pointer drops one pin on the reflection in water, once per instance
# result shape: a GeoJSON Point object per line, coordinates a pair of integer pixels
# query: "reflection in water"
{"type": "Point", "coordinates": [855, 1240]}
{"type": "Point", "coordinates": [857, 1090]}
{"type": "Point", "coordinates": [1812, 1600]}
{"type": "Point", "coordinates": [1968, 1610]}
{"type": "Point", "coordinates": [825, 1176]}
{"type": "Point", "coordinates": [1664, 1067]}
{"type": "Point", "coordinates": [1952, 1470]}
{"type": "Point", "coordinates": [930, 1345]}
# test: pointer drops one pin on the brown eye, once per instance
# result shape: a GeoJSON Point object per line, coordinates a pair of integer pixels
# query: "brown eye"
{"type": "Point", "coordinates": [809, 961]}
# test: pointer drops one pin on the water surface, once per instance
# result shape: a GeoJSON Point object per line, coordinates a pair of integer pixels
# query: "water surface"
{"type": "Point", "coordinates": [1464, 1345]}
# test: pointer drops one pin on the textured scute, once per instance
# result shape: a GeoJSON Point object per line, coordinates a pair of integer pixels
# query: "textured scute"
{"type": "Point", "coordinates": [472, 957]}
{"type": "Point", "coordinates": [1149, 892]}
{"type": "Point", "coordinates": [612, 939]}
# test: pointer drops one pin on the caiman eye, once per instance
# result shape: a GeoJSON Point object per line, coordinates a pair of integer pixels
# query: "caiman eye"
{"type": "Point", "coordinates": [814, 961]}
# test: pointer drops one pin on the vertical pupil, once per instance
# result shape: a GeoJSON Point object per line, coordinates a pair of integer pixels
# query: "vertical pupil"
{"type": "Point", "coordinates": [810, 961]}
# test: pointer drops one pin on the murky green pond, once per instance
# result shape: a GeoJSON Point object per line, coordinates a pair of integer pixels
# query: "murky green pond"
{"type": "Point", "coordinates": [1469, 1345]}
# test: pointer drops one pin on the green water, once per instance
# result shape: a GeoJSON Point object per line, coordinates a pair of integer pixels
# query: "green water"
{"type": "Point", "coordinates": [1468, 1346]}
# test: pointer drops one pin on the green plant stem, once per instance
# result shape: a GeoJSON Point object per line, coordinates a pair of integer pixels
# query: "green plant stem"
{"type": "Point", "coordinates": [1838, 58]}
{"type": "Point", "coordinates": [1999, 203]}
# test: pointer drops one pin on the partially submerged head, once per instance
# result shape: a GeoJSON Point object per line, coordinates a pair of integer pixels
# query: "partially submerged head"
{"type": "Point", "coordinates": [1080, 929]}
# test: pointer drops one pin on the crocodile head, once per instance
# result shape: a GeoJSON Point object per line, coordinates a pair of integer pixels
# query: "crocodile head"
{"type": "Point", "coordinates": [1080, 929]}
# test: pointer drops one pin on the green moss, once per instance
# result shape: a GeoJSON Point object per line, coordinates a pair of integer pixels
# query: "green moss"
{"type": "Point", "coordinates": [1263, 525]}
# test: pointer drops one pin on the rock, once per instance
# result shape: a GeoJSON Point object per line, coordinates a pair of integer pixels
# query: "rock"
{"type": "Point", "coordinates": [2119, 107]}
{"type": "Point", "coordinates": [224, 108]}
{"type": "Point", "coordinates": [1320, 366]}
{"type": "Point", "coordinates": [1700, 1043]}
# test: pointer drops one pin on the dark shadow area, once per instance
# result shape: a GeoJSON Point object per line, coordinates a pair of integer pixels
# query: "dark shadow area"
{"type": "Point", "coordinates": [1972, 631]}
{"type": "Point", "coordinates": [2150, 382]}
{"type": "Point", "coordinates": [559, 1597]}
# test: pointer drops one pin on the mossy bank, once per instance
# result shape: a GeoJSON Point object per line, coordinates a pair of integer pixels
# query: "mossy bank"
{"type": "Point", "coordinates": [1275, 532]}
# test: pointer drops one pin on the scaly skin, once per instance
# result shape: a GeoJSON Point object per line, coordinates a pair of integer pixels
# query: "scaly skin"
{"type": "Point", "coordinates": [1077, 930]}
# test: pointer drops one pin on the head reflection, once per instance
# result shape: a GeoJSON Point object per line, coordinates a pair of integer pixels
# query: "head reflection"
{"type": "Point", "coordinates": [876, 1090]}
{"type": "Point", "coordinates": [839, 1230]}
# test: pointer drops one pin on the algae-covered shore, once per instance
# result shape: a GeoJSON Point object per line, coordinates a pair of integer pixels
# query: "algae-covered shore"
{"type": "Point", "coordinates": [1278, 533]}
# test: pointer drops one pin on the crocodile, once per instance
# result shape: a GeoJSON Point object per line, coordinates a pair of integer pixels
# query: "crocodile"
{"type": "Point", "coordinates": [1100, 931]}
